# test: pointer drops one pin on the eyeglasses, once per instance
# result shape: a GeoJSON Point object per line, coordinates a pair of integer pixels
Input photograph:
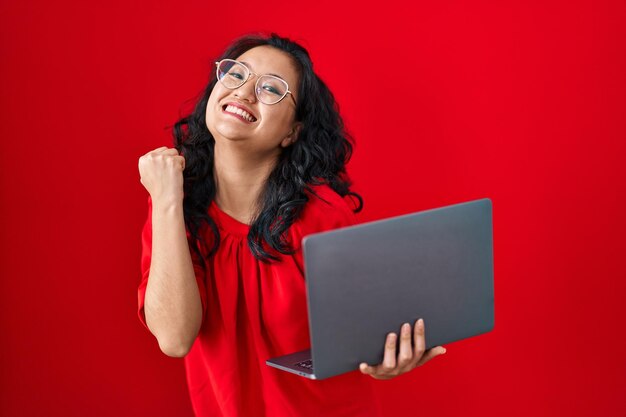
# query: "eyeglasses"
{"type": "Point", "coordinates": [269, 89]}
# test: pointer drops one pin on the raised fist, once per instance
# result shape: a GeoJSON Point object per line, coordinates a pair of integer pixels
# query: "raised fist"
{"type": "Point", "coordinates": [161, 173]}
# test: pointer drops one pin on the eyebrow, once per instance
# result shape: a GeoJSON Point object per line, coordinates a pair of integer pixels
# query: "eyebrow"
{"type": "Point", "coordinates": [269, 73]}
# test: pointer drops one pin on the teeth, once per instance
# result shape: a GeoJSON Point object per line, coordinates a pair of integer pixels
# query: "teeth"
{"type": "Point", "coordinates": [242, 113]}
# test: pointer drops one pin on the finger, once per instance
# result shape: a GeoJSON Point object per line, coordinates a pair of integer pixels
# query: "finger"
{"type": "Point", "coordinates": [420, 340]}
{"type": "Point", "coordinates": [431, 353]}
{"type": "Point", "coordinates": [389, 360]}
{"type": "Point", "coordinates": [373, 371]}
{"type": "Point", "coordinates": [406, 351]}
{"type": "Point", "coordinates": [159, 149]}
{"type": "Point", "coordinates": [366, 369]}
{"type": "Point", "coordinates": [168, 151]}
{"type": "Point", "coordinates": [181, 160]}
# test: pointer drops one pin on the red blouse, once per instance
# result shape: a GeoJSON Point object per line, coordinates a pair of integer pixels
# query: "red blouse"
{"type": "Point", "coordinates": [253, 311]}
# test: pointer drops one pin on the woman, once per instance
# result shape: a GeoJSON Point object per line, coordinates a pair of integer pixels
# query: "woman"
{"type": "Point", "coordinates": [259, 164]}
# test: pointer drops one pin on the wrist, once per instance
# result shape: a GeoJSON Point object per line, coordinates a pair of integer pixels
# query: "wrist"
{"type": "Point", "coordinates": [167, 205]}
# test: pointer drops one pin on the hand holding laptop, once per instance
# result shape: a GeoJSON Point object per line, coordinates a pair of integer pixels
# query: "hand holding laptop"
{"type": "Point", "coordinates": [409, 356]}
{"type": "Point", "coordinates": [365, 280]}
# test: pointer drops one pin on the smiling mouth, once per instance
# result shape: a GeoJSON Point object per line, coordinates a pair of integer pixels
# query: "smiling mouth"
{"type": "Point", "coordinates": [236, 111]}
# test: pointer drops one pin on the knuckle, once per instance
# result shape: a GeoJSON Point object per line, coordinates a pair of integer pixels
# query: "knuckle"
{"type": "Point", "coordinates": [387, 367]}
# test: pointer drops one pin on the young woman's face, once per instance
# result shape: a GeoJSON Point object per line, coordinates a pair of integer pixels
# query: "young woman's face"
{"type": "Point", "coordinates": [273, 126]}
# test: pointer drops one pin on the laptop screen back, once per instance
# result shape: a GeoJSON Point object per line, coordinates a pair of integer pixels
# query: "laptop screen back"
{"type": "Point", "coordinates": [365, 281]}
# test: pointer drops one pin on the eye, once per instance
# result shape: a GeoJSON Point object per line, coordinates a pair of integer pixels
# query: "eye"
{"type": "Point", "coordinates": [236, 74]}
{"type": "Point", "coordinates": [271, 89]}
{"type": "Point", "coordinates": [272, 86]}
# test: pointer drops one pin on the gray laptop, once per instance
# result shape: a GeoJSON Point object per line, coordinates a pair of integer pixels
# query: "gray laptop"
{"type": "Point", "coordinates": [365, 281]}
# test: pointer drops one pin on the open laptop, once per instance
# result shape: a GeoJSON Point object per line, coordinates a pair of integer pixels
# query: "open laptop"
{"type": "Point", "coordinates": [365, 281]}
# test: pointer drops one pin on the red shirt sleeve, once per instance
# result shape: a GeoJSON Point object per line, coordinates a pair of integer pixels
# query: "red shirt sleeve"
{"type": "Point", "coordinates": [323, 212]}
{"type": "Point", "coordinates": [146, 252]}
{"type": "Point", "coordinates": [326, 211]}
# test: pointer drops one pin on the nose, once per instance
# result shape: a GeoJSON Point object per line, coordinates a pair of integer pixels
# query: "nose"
{"type": "Point", "coordinates": [246, 91]}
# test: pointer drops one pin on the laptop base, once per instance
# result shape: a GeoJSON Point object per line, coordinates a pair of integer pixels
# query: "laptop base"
{"type": "Point", "coordinates": [290, 363]}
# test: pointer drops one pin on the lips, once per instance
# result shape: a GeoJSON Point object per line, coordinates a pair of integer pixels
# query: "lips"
{"type": "Point", "coordinates": [239, 111]}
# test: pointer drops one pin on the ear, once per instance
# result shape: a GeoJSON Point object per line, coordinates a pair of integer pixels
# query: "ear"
{"type": "Point", "coordinates": [292, 137]}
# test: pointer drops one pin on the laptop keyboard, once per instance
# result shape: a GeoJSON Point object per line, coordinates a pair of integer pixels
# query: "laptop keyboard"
{"type": "Point", "coordinates": [308, 364]}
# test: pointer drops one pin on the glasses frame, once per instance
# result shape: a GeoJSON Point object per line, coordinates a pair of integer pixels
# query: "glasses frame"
{"type": "Point", "coordinates": [256, 86]}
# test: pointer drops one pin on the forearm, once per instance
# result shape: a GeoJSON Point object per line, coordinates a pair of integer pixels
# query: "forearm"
{"type": "Point", "coordinates": [172, 305]}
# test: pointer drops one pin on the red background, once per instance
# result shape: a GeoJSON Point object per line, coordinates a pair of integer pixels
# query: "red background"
{"type": "Point", "coordinates": [522, 102]}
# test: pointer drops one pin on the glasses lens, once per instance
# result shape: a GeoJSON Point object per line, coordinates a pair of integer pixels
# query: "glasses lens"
{"type": "Point", "coordinates": [231, 73]}
{"type": "Point", "coordinates": [270, 89]}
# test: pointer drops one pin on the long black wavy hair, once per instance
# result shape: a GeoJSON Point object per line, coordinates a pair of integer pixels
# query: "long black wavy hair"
{"type": "Point", "coordinates": [318, 156]}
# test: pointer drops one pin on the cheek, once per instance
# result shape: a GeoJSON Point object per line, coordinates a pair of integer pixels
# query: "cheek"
{"type": "Point", "coordinates": [280, 121]}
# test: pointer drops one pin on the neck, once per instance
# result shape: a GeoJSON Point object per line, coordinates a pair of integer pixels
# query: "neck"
{"type": "Point", "coordinates": [240, 177]}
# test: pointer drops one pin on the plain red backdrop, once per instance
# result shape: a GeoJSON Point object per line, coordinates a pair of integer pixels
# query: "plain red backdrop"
{"type": "Point", "coordinates": [522, 102]}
